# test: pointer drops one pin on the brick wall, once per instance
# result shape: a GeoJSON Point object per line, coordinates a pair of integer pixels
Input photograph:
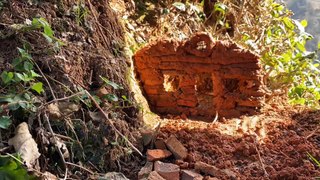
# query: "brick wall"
{"type": "Point", "coordinates": [200, 77]}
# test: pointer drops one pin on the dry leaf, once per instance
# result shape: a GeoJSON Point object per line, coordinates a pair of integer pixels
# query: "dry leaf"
{"type": "Point", "coordinates": [54, 111]}
{"type": "Point", "coordinates": [25, 145]}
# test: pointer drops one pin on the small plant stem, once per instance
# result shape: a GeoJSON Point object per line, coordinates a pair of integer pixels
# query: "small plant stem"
{"type": "Point", "coordinates": [44, 76]}
{"type": "Point", "coordinates": [65, 98]}
{"type": "Point", "coordinates": [72, 164]}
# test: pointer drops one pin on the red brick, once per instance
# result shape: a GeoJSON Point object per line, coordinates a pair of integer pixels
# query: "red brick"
{"type": "Point", "coordinates": [188, 103]}
{"type": "Point", "coordinates": [207, 168]}
{"type": "Point", "coordinates": [176, 147]}
{"type": "Point", "coordinates": [157, 154]}
{"type": "Point", "coordinates": [190, 175]}
{"type": "Point", "coordinates": [155, 176]}
{"type": "Point", "coordinates": [167, 170]}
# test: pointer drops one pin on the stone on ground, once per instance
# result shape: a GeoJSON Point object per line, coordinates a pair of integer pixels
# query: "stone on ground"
{"type": "Point", "coordinates": [155, 176]}
{"type": "Point", "coordinates": [206, 168]}
{"type": "Point", "coordinates": [157, 154]}
{"type": "Point", "coordinates": [190, 175]}
{"type": "Point", "coordinates": [176, 147]}
{"type": "Point", "coordinates": [168, 171]}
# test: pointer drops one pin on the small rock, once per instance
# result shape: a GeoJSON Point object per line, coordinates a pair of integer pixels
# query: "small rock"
{"type": "Point", "coordinates": [66, 108]}
{"type": "Point", "coordinates": [167, 170]}
{"type": "Point", "coordinates": [146, 170]}
{"type": "Point", "coordinates": [206, 168]}
{"type": "Point", "coordinates": [190, 175]}
{"type": "Point", "coordinates": [157, 154]}
{"type": "Point", "coordinates": [54, 111]}
{"type": "Point", "coordinates": [160, 144]}
{"type": "Point", "coordinates": [182, 164]}
{"type": "Point", "coordinates": [176, 147]}
{"type": "Point", "coordinates": [190, 158]}
{"type": "Point", "coordinates": [155, 176]}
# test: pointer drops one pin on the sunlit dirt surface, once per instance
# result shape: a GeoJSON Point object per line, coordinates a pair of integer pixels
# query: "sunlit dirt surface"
{"type": "Point", "coordinates": [281, 139]}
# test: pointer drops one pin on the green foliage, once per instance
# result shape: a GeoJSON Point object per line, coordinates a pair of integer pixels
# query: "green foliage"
{"type": "Point", "coordinates": [110, 83]}
{"type": "Point", "coordinates": [40, 23]}
{"type": "Point", "coordinates": [11, 168]}
{"type": "Point", "coordinates": [81, 12]}
{"type": "Point", "coordinates": [18, 84]}
{"type": "Point", "coordinates": [48, 33]}
{"type": "Point", "coordinates": [304, 9]}
{"type": "Point", "coordinates": [5, 122]}
{"type": "Point", "coordinates": [289, 66]}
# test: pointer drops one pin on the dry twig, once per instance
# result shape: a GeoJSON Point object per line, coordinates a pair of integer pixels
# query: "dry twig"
{"type": "Point", "coordinates": [46, 118]}
{"type": "Point", "coordinates": [72, 164]}
{"type": "Point", "coordinates": [111, 123]}
{"type": "Point", "coordinates": [260, 160]}
{"type": "Point", "coordinates": [312, 133]}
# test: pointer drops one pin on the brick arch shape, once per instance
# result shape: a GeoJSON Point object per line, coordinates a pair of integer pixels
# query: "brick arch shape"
{"type": "Point", "coordinates": [199, 77]}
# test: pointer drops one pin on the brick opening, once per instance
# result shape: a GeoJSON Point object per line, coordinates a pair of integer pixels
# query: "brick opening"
{"type": "Point", "coordinates": [232, 85]}
{"type": "Point", "coordinates": [171, 82]}
{"type": "Point", "coordinates": [204, 93]}
{"type": "Point", "coordinates": [200, 77]}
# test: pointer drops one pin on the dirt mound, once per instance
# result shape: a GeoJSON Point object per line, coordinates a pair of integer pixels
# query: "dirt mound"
{"type": "Point", "coordinates": [276, 149]}
{"type": "Point", "coordinates": [93, 47]}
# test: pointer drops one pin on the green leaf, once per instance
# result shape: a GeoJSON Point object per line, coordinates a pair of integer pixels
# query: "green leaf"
{"type": "Point", "coordinates": [6, 77]}
{"type": "Point", "coordinates": [48, 38]}
{"type": "Point", "coordinates": [34, 74]}
{"type": "Point", "coordinates": [112, 84]}
{"type": "Point", "coordinates": [111, 97]}
{"type": "Point", "coordinates": [27, 96]}
{"type": "Point", "coordinates": [27, 66]}
{"type": "Point", "coordinates": [219, 7]}
{"type": "Point", "coordinates": [23, 77]}
{"type": "Point", "coordinates": [11, 168]}
{"type": "Point", "coordinates": [6, 99]}
{"type": "Point", "coordinates": [38, 87]}
{"type": "Point", "coordinates": [97, 99]}
{"type": "Point", "coordinates": [5, 122]}
{"type": "Point", "coordinates": [288, 22]}
{"type": "Point", "coordinates": [180, 6]}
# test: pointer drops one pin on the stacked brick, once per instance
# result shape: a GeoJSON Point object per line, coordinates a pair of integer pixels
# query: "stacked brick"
{"type": "Point", "coordinates": [200, 77]}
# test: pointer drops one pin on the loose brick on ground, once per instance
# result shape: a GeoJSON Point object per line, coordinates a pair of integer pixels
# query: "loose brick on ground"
{"type": "Point", "coordinates": [168, 171]}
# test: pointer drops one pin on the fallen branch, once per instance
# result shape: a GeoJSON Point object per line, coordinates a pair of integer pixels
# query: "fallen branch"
{"type": "Point", "coordinates": [111, 123]}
